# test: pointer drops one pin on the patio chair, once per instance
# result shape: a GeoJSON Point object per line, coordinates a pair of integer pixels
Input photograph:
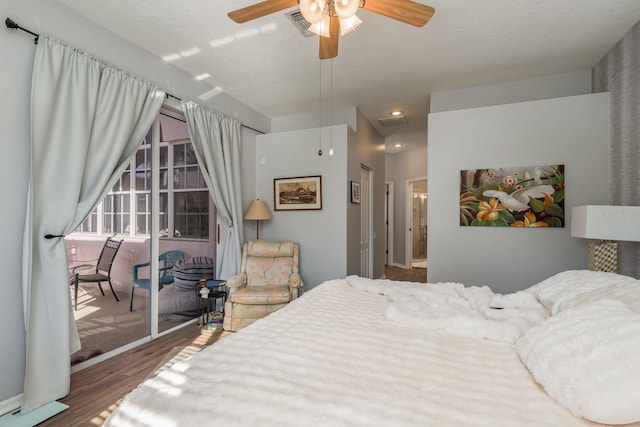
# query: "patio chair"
{"type": "Point", "coordinates": [102, 268]}
{"type": "Point", "coordinates": [166, 262]}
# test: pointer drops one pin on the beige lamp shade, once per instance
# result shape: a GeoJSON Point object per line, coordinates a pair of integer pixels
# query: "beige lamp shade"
{"type": "Point", "coordinates": [257, 211]}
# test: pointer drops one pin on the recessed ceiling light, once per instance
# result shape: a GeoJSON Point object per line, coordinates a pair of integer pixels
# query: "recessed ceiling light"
{"type": "Point", "coordinates": [396, 113]}
{"type": "Point", "coordinates": [397, 145]}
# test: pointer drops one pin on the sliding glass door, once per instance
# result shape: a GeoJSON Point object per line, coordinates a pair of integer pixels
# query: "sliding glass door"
{"type": "Point", "coordinates": [161, 210]}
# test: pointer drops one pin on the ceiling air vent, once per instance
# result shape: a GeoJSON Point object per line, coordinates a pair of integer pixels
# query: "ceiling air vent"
{"type": "Point", "coordinates": [299, 22]}
{"type": "Point", "coordinates": [393, 121]}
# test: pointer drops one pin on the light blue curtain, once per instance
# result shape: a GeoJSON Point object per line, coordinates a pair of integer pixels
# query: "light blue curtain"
{"type": "Point", "coordinates": [619, 73]}
{"type": "Point", "coordinates": [87, 121]}
{"type": "Point", "coordinates": [216, 140]}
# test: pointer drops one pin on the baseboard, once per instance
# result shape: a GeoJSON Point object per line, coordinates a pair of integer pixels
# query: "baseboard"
{"type": "Point", "coordinates": [10, 404]}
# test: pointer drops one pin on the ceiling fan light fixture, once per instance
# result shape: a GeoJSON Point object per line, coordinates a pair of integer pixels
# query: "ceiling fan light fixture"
{"type": "Point", "coordinates": [321, 27]}
{"type": "Point", "coordinates": [349, 24]}
{"type": "Point", "coordinates": [312, 10]}
{"type": "Point", "coordinates": [346, 8]}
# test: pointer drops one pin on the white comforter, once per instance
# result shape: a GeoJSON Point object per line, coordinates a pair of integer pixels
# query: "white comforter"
{"type": "Point", "coordinates": [451, 307]}
{"type": "Point", "coordinates": [331, 358]}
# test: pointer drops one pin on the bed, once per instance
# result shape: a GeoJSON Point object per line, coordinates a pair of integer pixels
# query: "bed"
{"type": "Point", "coordinates": [362, 352]}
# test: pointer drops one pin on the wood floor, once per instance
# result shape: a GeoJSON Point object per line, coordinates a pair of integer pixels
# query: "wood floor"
{"type": "Point", "coordinates": [410, 275]}
{"type": "Point", "coordinates": [95, 391]}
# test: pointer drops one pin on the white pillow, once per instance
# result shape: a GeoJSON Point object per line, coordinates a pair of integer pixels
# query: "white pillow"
{"type": "Point", "coordinates": [555, 292]}
{"type": "Point", "coordinates": [588, 360]}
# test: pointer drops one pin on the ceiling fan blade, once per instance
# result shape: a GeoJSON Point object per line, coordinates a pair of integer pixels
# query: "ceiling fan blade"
{"type": "Point", "coordinates": [329, 45]}
{"type": "Point", "coordinates": [261, 9]}
{"type": "Point", "coordinates": [406, 11]}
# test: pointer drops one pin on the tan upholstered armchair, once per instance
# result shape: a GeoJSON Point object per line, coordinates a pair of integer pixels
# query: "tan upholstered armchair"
{"type": "Point", "coordinates": [268, 281]}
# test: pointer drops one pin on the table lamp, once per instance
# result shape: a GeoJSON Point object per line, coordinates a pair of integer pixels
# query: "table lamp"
{"type": "Point", "coordinates": [258, 210]}
{"type": "Point", "coordinates": [607, 224]}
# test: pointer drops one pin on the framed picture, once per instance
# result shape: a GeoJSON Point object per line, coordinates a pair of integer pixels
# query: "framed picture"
{"type": "Point", "coordinates": [526, 196]}
{"type": "Point", "coordinates": [297, 193]}
{"type": "Point", "coordinates": [355, 192]}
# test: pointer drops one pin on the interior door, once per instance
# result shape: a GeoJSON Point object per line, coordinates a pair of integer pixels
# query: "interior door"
{"type": "Point", "coordinates": [365, 223]}
{"type": "Point", "coordinates": [419, 224]}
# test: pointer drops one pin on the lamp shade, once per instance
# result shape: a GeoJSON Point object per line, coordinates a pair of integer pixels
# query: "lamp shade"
{"type": "Point", "coordinates": [258, 210]}
{"type": "Point", "coordinates": [606, 222]}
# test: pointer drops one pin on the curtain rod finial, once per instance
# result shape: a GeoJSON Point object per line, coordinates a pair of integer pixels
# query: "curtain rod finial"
{"type": "Point", "coordinates": [10, 23]}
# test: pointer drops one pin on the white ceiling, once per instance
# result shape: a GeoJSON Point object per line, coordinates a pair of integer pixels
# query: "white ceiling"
{"type": "Point", "coordinates": [384, 65]}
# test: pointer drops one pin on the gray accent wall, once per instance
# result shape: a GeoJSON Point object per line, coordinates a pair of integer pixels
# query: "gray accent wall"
{"type": "Point", "coordinates": [618, 74]}
{"type": "Point", "coordinates": [573, 131]}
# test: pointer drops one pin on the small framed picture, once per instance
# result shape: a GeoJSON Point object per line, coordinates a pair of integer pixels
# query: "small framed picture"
{"type": "Point", "coordinates": [298, 193]}
{"type": "Point", "coordinates": [355, 192]}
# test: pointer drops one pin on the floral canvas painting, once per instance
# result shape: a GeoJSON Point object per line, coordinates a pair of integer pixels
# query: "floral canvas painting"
{"type": "Point", "coordinates": [531, 196]}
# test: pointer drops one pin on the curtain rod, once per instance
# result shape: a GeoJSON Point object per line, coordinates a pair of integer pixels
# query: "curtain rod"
{"type": "Point", "coordinates": [168, 95]}
{"type": "Point", "coordinates": [10, 23]}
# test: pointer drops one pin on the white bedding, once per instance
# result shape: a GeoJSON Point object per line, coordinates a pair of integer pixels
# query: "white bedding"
{"type": "Point", "coordinates": [331, 358]}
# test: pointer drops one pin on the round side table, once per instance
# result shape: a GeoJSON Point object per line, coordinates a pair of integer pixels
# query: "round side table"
{"type": "Point", "coordinates": [208, 304]}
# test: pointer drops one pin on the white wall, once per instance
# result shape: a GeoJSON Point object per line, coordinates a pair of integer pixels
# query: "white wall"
{"type": "Point", "coordinates": [248, 165]}
{"type": "Point", "coordinates": [50, 17]}
{"type": "Point", "coordinates": [346, 115]}
{"type": "Point", "coordinates": [573, 131]}
{"type": "Point", "coordinates": [552, 86]}
{"type": "Point", "coordinates": [321, 233]}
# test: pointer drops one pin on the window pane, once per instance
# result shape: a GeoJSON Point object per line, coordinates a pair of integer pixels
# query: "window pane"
{"type": "Point", "coordinates": [125, 181]}
{"type": "Point", "coordinates": [193, 177]}
{"type": "Point", "coordinates": [164, 214]}
{"type": "Point", "coordinates": [191, 214]}
{"type": "Point", "coordinates": [143, 214]}
{"type": "Point", "coordinates": [191, 155]}
{"type": "Point", "coordinates": [179, 181]}
{"type": "Point", "coordinates": [164, 179]}
{"type": "Point", "coordinates": [89, 225]}
{"type": "Point", "coordinates": [143, 169]}
{"type": "Point", "coordinates": [164, 157]}
{"type": "Point", "coordinates": [178, 154]}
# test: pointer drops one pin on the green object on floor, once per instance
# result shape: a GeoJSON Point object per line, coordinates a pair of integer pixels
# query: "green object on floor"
{"type": "Point", "coordinates": [32, 418]}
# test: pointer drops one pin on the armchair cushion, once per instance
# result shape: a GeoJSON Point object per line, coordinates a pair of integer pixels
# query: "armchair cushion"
{"type": "Point", "coordinates": [267, 294]}
{"type": "Point", "coordinates": [269, 262]}
{"type": "Point", "coordinates": [268, 271]}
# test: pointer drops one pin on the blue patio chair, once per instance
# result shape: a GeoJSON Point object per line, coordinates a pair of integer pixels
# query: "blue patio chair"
{"type": "Point", "coordinates": [166, 262]}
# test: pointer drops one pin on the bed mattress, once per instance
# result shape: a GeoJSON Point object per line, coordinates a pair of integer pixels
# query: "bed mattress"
{"type": "Point", "coordinates": [330, 358]}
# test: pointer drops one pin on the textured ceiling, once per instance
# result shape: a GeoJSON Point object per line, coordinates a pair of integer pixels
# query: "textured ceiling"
{"type": "Point", "coordinates": [383, 65]}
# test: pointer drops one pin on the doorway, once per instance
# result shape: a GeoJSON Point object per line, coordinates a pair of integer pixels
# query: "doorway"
{"type": "Point", "coordinates": [416, 241]}
{"type": "Point", "coordinates": [366, 249]}
{"type": "Point", "coordinates": [388, 223]}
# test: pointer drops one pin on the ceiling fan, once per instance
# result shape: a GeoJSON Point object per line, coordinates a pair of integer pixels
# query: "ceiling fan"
{"type": "Point", "coordinates": [331, 18]}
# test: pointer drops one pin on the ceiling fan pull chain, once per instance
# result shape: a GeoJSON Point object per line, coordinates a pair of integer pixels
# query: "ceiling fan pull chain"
{"type": "Point", "coordinates": [331, 108]}
{"type": "Point", "coordinates": [320, 114]}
